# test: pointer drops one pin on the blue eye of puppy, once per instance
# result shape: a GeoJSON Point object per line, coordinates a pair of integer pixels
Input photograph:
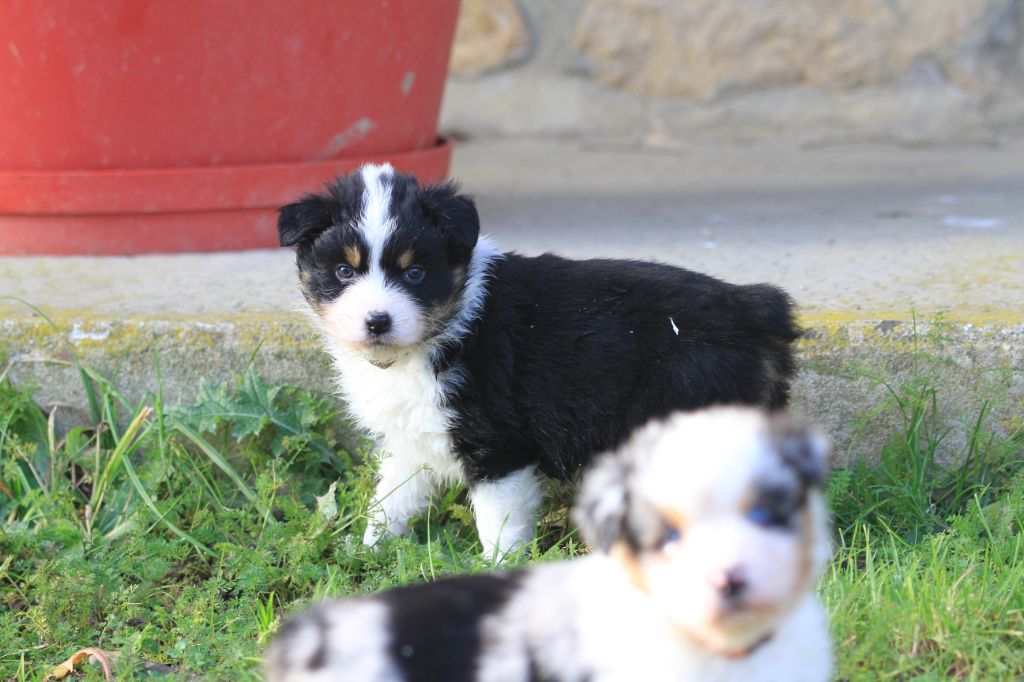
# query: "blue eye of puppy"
{"type": "Point", "coordinates": [415, 273]}
{"type": "Point", "coordinates": [766, 517]}
{"type": "Point", "coordinates": [670, 537]}
{"type": "Point", "coordinates": [345, 272]}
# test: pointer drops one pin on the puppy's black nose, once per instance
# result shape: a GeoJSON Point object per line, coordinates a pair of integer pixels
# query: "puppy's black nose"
{"type": "Point", "coordinates": [731, 584]}
{"type": "Point", "coordinates": [378, 324]}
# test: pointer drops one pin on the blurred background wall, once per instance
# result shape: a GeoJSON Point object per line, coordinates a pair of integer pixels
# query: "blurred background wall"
{"type": "Point", "coordinates": [657, 72]}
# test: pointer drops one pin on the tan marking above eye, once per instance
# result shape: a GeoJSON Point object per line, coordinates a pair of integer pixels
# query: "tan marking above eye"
{"type": "Point", "coordinates": [673, 517]}
{"type": "Point", "coordinates": [406, 259]}
{"type": "Point", "coordinates": [353, 256]}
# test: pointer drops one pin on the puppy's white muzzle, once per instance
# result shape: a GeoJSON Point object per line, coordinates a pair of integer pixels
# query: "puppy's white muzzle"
{"type": "Point", "coordinates": [356, 318]}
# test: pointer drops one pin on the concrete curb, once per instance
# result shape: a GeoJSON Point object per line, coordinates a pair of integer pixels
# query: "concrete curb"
{"type": "Point", "coordinates": [845, 367]}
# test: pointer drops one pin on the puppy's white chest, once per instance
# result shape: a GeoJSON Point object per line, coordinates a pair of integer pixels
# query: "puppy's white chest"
{"type": "Point", "coordinates": [402, 405]}
{"type": "Point", "coordinates": [402, 398]}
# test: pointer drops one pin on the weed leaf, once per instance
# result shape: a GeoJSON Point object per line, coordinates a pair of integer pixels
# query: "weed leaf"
{"type": "Point", "coordinates": [253, 407]}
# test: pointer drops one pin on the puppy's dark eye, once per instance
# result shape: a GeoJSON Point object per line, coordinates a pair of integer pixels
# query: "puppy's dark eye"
{"type": "Point", "coordinates": [345, 272]}
{"type": "Point", "coordinates": [766, 517]}
{"type": "Point", "coordinates": [415, 274]}
{"type": "Point", "coordinates": [670, 538]}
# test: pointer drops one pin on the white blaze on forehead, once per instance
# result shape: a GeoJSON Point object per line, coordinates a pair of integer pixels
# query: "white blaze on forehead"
{"type": "Point", "coordinates": [706, 461]}
{"type": "Point", "coordinates": [375, 221]}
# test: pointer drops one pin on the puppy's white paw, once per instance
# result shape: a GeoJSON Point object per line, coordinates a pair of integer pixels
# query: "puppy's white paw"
{"type": "Point", "coordinates": [379, 526]}
{"type": "Point", "coordinates": [372, 535]}
{"type": "Point", "coordinates": [505, 511]}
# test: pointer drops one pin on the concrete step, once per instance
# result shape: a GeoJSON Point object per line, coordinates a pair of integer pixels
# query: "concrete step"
{"type": "Point", "coordinates": [905, 262]}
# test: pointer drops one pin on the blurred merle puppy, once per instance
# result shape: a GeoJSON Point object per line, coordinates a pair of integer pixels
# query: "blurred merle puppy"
{"type": "Point", "coordinates": [709, 533]}
{"type": "Point", "coordinates": [483, 367]}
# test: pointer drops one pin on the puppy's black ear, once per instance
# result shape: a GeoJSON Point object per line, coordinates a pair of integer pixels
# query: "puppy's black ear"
{"type": "Point", "coordinates": [456, 216]}
{"type": "Point", "coordinates": [602, 509]}
{"type": "Point", "coordinates": [304, 219]}
{"type": "Point", "coordinates": [802, 449]}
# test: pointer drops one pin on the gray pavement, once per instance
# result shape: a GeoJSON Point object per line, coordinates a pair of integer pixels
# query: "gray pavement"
{"type": "Point", "coordinates": [861, 230]}
{"type": "Point", "coordinates": [864, 237]}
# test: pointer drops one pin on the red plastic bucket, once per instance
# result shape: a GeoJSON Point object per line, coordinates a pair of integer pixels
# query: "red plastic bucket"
{"type": "Point", "coordinates": [132, 126]}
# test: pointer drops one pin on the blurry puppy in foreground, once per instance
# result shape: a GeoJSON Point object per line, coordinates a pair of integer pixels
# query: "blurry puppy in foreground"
{"type": "Point", "coordinates": [709, 532]}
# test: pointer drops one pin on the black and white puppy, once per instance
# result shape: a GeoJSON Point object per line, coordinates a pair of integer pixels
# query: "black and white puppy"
{"type": "Point", "coordinates": [477, 366]}
{"type": "Point", "coordinates": [709, 533]}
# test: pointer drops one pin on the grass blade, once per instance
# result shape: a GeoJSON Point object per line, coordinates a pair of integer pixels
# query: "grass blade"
{"type": "Point", "coordinates": [214, 457]}
{"type": "Point", "coordinates": [141, 490]}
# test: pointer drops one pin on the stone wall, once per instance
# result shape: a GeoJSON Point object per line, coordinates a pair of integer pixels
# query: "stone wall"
{"type": "Point", "coordinates": [658, 70]}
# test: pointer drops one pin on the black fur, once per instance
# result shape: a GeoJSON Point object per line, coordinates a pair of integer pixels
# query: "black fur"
{"type": "Point", "coordinates": [303, 221]}
{"type": "Point", "coordinates": [435, 627]}
{"type": "Point", "coordinates": [569, 357]}
{"type": "Point", "coordinates": [457, 213]}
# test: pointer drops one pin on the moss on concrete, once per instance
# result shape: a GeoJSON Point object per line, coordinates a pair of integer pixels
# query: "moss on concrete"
{"type": "Point", "coordinates": [843, 361]}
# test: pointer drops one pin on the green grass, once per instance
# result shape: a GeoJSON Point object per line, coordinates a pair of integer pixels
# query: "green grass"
{"type": "Point", "coordinates": [181, 534]}
{"type": "Point", "coordinates": [949, 607]}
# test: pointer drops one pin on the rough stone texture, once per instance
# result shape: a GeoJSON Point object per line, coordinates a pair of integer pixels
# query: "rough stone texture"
{"type": "Point", "coordinates": [848, 371]}
{"type": "Point", "coordinates": [132, 352]}
{"type": "Point", "coordinates": [704, 49]}
{"type": "Point", "coordinates": [491, 34]}
{"type": "Point", "coordinates": [657, 72]}
{"type": "Point", "coordinates": [842, 368]}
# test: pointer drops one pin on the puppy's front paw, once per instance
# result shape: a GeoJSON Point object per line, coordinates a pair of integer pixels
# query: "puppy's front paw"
{"type": "Point", "coordinates": [372, 535]}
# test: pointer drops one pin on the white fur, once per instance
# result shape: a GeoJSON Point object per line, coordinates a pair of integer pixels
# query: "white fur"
{"type": "Point", "coordinates": [584, 618]}
{"type": "Point", "coordinates": [345, 318]}
{"type": "Point", "coordinates": [404, 404]}
{"type": "Point", "coordinates": [629, 614]}
{"type": "Point", "coordinates": [657, 614]}
{"type": "Point", "coordinates": [704, 466]}
{"type": "Point", "coordinates": [355, 638]}
{"type": "Point", "coordinates": [375, 221]}
{"type": "Point", "coordinates": [505, 511]}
